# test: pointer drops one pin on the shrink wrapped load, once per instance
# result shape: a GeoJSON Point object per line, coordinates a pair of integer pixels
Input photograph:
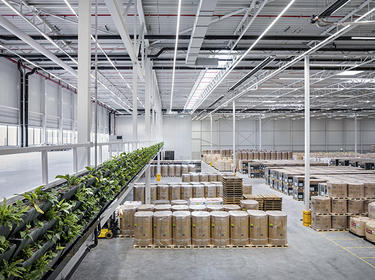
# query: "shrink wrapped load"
{"type": "Point", "coordinates": [357, 225]}
{"type": "Point", "coordinates": [198, 190]}
{"type": "Point", "coordinates": [321, 222]}
{"type": "Point", "coordinates": [210, 190]}
{"type": "Point", "coordinates": [239, 228]}
{"type": "Point", "coordinates": [339, 206]}
{"type": "Point", "coordinates": [258, 224]}
{"type": "Point", "coordinates": [211, 208]}
{"type": "Point", "coordinates": [181, 228]}
{"type": "Point", "coordinates": [146, 207]}
{"type": "Point", "coordinates": [355, 207]}
{"type": "Point", "coordinates": [249, 204]}
{"type": "Point", "coordinates": [186, 192]}
{"type": "Point", "coordinates": [246, 188]}
{"type": "Point", "coordinates": [179, 202]}
{"type": "Point", "coordinates": [164, 170]}
{"type": "Point", "coordinates": [180, 208]}
{"type": "Point", "coordinates": [212, 178]}
{"type": "Point", "coordinates": [356, 190]}
{"type": "Point", "coordinates": [186, 178]}
{"type": "Point", "coordinates": [171, 169]}
{"type": "Point", "coordinates": [371, 210]}
{"type": "Point", "coordinates": [201, 207]}
{"type": "Point", "coordinates": [143, 228]}
{"type": "Point", "coordinates": [162, 207]}
{"type": "Point", "coordinates": [277, 228]}
{"type": "Point", "coordinates": [162, 228]}
{"type": "Point", "coordinates": [321, 204]}
{"type": "Point", "coordinates": [370, 231]}
{"type": "Point", "coordinates": [175, 192]}
{"type": "Point", "coordinates": [231, 207]}
{"type": "Point", "coordinates": [163, 192]}
{"type": "Point", "coordinates": [177, 170]}
{"type": "Point", "coordinates": [339, 222]}
{"type": "Point", "coordinates": [200, 228]}
{"type": "Point", "coordinates": [203, 177]}
{"type": "Point", "coordinates": [219, 228]}
{"type": "Point", "coordinates": [369, 190]}
{"type": "Point", "coordinates": [184, 169]}
{"type": "Point", "coordinates": [139, 192]}
{"type": "Point", "coordinates": [153, 193]}
{"type": "Point", "coordinates": [127, 219]}
{"type": "Point", "coordinates": [337, 190]}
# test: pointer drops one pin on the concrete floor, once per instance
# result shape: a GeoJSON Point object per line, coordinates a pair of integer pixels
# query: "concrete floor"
{"type": "Point", "coordinates": [310, 255]}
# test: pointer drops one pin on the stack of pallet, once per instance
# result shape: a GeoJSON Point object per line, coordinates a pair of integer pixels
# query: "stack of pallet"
{"type": "Point", "coordinates": [267, 202]}
{"type": "Point", "coordinates": [232, 189]}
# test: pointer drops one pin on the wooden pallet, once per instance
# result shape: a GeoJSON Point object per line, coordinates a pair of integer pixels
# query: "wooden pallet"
{"type": "Point", "coordinates": [210, 246]}
{"type": "Point", "coordinates": [125, 236]}
{"type": "Point", "coordinates": [327, 230]}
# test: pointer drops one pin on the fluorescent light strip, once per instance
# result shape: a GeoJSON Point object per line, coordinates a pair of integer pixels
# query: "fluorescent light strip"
{"type": "Point", "coordinates": [175, 52]}
{"type": "Point", "coordinates": [363, 38]}
{"type": "Point", "coordinates": [249, 49]}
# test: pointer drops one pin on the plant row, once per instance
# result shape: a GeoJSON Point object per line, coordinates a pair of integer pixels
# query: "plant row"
{"type": "Point", "coordinates": [38, 229]}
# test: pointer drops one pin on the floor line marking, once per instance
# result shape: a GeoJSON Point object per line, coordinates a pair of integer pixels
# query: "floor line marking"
{"type": "Point", "coordinates": [350, 252]}
{"type": "Point", "coordinates": [367, 257]}
{"type": "Point", "coordinates": [341, 239]}
{"type": "Point", "coordinates": [360, 247]}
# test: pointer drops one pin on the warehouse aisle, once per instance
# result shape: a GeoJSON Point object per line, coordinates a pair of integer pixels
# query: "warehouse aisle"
{"type": "Point", "coordinates": [311, 255]}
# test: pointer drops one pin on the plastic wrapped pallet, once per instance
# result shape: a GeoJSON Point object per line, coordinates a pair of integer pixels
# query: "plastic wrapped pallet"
{"type": "Point", "coordinates": [210, 190]}
{"type": "Point", "coordinates": [356, 190]}
{"type": "Point", "coordinates": [163, 192]}
{"type": "Point", "coordinates": [194, 177]}
{"type": "Point", "coordinates": [277, 228]}
{"type": "Point", "coordinates": [184, 169]}
{"type": "Point", "coordinates": [369, 190]}
{"type": "Point", "coordinates": [193, 208]}
{"type": "Point", "coordinates": [231, 207]}
{"type": "Point", "coordinates": [339, 205]}
{"type": "Point", "coordinates": [163, 228]}
{"type": "Point", "coordinates": [177, 170]}
{"type": "Point", "coordinates": [161, 201]}
{"type": "Point", "coordinates": [371, 210]}
{"type": "Point", "coordinates": [357, 225]}
{"type": "Point", "coordinates": [212, 178]}
{"type": "Point", "coordinates": [180, 208]}
{"type": "Point", "coordinates": [164, 170]}
{"type": "Point", "coordinates": [146, 207]}
{"type": "Point", "coordinates": [153, 193]}
{"type": "Point", "coordinates": [162, 207]}
{"type": "Point", "coordinates": [179, 202]}
{"type": "Point", "coordinates": [337, 190]}
{"type": "Point", "coordinates": [355, 207]}
{"type": "Point", "coordinates": [370, 231]}
{"type": "Point", "coordinates": [127, 219]}
{"type": "Point", "coordinates": [321, 204]}
{"type": "Point", "coordinates": [219, 190]}
{"type": "Point", "coordinates": [175, 192]}
{"type": "Point", "coordinates": [198, 190]}
{"type": "Point", "coordinates": [214, 201]}
{"type": "Point", "coordinates": [171, 170]}
{"type": "Point", "coordinates": [239, 228]}
{"type": "Point", "coordinates": [186, 192]}
{"type": "Point", "coordinates": [249, 204]}
{"type": "Point", "coordinates": [181, 228]}
{"type": "Point", "coordinates": [191, 168]}
{"type": "Point", "coordinates": [211, 208]}
{"type": "Point", "coordinates": [258, 222]}
{"type": "Point", "coordinates": [219, 228]}
{"type": "Point", "coordinates": [139, 192]}
{"type": "Point", "coordinates": [246, 188]}
{"type": "Point", "coordinates": [321, 222]}
{"type": "Point", "coordinates": [200, 228]}
{"type": "Point", "coordinates": [203, 177]}
{"type": "Point", "coordinates": [186, 178]}
{"type": "Point", "coordinates": [339, 222]}
{"type": "Point", "coordinates": [197, 201]}
{"type": "Point", "coordinates": [143, 228]}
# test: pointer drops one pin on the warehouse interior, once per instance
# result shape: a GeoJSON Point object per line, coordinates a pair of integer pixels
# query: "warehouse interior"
{"type": "Point", "coordinates": [197, 139]}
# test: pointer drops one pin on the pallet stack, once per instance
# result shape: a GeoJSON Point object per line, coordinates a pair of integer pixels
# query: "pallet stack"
{"type": "Point", "coordinates": [267, 202]}
{"type": "Point", "coordinates": [232, 189]}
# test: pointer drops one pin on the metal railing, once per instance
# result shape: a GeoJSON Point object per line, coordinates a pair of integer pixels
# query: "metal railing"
{"type": "Point", "coordinates": [114, 148]}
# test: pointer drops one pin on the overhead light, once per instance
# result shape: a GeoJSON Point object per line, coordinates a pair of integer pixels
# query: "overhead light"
{"type": "Point", "coordinates": [253, 71]}
{"type": "Point", "coordinates": [349, 73]}
{"type": "Point", "coordinates": [363, 38]}
{"type": "Point", "coordinates": [175, 52]}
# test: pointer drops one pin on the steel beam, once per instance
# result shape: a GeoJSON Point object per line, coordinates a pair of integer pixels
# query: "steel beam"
{"type": "Point", "coordinates": [135, 105]}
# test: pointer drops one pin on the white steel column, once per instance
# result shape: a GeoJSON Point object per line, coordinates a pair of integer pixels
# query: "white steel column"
{"type": "Point", "coordinates": [211, 135]}
{"type": "Point", "coordinates": [83, 96]}
{"type": "Point", "coordinates": [61, 121]}
{"type": "Point", "coordinates": [43, 106]}
{"type": "Point", "coordinates": [355, 136]}
{"type": "Point", "coordinates": [307, 134]}
{"type": "Point", "coordinates": [260, 133]}
{"type": "Point", "coordinates": [135, 104]}
{"type": "Point", "coordinates": [148, 88]}
{"type": "Point", "coordinates": [234, 137]}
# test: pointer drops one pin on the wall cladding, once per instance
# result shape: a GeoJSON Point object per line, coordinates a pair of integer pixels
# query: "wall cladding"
{"type": "Point", "coordinates": [283, 135]}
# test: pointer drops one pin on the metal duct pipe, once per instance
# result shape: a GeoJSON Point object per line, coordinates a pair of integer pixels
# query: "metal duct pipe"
{"type": "Point", "coordinates": [28, 40]}
{"type": "Point", "coordinates": [26, 108]}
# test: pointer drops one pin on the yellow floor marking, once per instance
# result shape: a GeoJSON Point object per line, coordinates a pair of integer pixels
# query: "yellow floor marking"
{"type": "Point", "coordinates": [350, 252]}
{"type": "Point", "coordinates": [340, 239]}
{"type": "Point", "coordinates": [359, 247]}
{"type": "Point", "coordinates": [367, 257]}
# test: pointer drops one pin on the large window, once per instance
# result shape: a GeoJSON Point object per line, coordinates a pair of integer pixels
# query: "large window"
{"type": "Point", "coordinates": [12, 135]}
{"type": "Point", "coordinates": [3, 135]}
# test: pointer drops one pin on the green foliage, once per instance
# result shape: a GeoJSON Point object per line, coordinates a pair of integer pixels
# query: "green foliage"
{"type": "Point", "coordinates": [11, 214]}
{"type": "Point", "coordinates": [11, 269]}
{"type": "Point", "coordinates": [70, 180]}
{"type": "Point", "coordinates": [4, 244]}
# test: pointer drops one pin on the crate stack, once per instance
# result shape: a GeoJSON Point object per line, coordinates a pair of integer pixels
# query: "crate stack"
{"type": "Point", "coordinates": [232, 189]}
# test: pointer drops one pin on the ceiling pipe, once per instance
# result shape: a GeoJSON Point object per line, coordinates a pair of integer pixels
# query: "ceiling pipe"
{"type": "Point", "coordinates": [28, 40]}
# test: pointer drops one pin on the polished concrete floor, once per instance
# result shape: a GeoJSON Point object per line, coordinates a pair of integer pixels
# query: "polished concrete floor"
{"type": "Point", "coordinates": [310, 255]}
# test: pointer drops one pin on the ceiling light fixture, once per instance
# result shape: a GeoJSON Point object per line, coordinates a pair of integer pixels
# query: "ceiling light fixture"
{"type": "Point", "coordinates": [349, 73]}
{"type": "Point", "coordinates": [362, 38]}
{"type": "Point", "coordinates": [175, 53]}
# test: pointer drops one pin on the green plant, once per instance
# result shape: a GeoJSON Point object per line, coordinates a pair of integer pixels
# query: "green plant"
{"type": "Point", "coordinates": [11, 269]}
{"type": "Point", "coordinates": [40, 267]}
{"type": "Point", "coordinates": [4, 244]}
{"type": "Point", "coordinates": [11, 214]}
{"type": "Point", "coordinates": [32, 199]}
{"type": "Point", "coordinates": [43, 195]}
{"type": "Point", "coordinates": [70, 180]}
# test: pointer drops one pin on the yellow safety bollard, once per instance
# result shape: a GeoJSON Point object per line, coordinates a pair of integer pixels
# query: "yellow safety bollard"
{"type": "Point", "coordinates": [306, 218]}
{"type": "Point", "coordinates": [158, 177]}
{"type": "Point", "coordinates": [210, 163]}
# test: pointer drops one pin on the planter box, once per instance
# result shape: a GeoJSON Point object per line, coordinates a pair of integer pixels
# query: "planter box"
{"type": "Point", "coordinates": [8, 254]}
{"type": "Point", "coordinates": [70, 193]}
